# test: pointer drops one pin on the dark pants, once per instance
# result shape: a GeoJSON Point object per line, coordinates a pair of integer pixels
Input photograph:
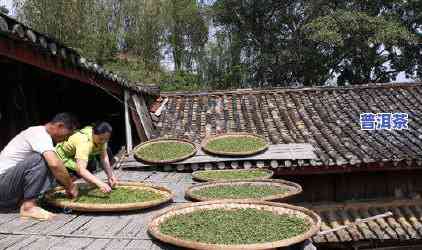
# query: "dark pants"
{"type": "Point", "coordinates": [305, 245]}
{"type": "Point", "coordinates": [27, 180]}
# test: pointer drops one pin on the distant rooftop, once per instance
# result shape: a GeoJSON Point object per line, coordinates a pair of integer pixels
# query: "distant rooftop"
{"type": "Point", "coordinates": [326, 117]}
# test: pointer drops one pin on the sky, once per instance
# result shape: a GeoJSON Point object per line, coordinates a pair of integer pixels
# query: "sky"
{"type": "Point", "coordinates": [9, 5]}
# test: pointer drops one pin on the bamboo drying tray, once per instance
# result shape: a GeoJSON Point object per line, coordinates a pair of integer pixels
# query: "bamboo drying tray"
{"type": "Point", "coordinates": [268, 174]}
{"type": "Point", "coordinates": [95, 207]}
{"type": "Point", "coordinates": [291, 189]}
{"type": "Point", "coordinates": [278, 208]}
{"type": "Point", "coordinates": [233, 153]}
{"type": "Point", "coordinates": [160, 140]}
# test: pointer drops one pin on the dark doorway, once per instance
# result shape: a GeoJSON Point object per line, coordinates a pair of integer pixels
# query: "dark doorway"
{"type": "Point", "coordinates": [30, 96]}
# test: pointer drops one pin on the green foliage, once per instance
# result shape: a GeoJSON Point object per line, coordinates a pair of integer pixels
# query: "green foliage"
{"type": "Point", "coordinates": [187, 32]}
{"type": "Point", "coordinates": [235, 226]}
{"type": "Point", "coordinates": [342, 26]}
{"type": "Point", "coordinates": [221, 66]}
{"type": "Point", "coordinates": [134, 70]}
{"type": "Point", "coordinates": [181, 81]}
{"type": "Point", "coordinates": [307, 42]}
{"type": "Point", "coordinates": [355, 44]}
{"type": "Point", "coordinates": [231, 44]}
{"type": "Point", "coordinates": [143, 26]}
{"type": "Point", "coordinates": [73, 23]}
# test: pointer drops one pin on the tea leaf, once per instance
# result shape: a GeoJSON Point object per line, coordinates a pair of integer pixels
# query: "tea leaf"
{"type": "Point", "coordinates": [239, 226]}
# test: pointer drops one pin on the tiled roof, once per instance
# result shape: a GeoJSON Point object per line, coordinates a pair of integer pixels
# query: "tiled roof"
{"type": "Point", "coordinates": [48, 45]}
{"type": "Point", "coordinates": [405, 224]}
{"type": "Point", "coordinates": [326, 117]}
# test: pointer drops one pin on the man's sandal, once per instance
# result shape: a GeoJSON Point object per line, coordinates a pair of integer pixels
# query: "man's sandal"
{"type": "Point", "coordinates": [43, 216]}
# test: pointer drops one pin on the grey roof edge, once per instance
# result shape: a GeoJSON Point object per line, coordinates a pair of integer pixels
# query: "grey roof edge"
{"type": "Point", "coordinates": [15, 29]}
{"type": "Point", "coordinates": [294, 89]}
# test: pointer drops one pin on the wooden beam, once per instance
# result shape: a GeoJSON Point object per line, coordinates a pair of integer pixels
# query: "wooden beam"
{"type": "Point", "coordinates": [137, 121]}
{"type": "Point", "coordinates": [143, 114]}
{"type": "Point", "coordinates": [25, 52]}
{"type": "Point", "coordinates": [129, 143]}
{"type": "Point", "coordinates": [274, 152]}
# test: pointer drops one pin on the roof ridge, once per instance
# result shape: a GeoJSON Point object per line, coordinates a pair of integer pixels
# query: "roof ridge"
{"type": "Point", "coordinates": [293, 89]}
{"type": "Point", "coordinates": [15, 29]}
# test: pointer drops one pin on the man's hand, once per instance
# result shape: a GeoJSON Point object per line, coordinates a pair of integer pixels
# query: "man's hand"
{"type": "Point", "coordinates": [104, 187]}
{"type": "Point", "coordinates": [57, 168]}
{"type": "Point", "coordinates": [112, 181]}
{"type": "Point", "coordinates": [72, 191]}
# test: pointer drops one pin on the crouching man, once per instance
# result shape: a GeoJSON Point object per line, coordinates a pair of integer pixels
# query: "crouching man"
{"type": "Point", "coordinates": [29, 166]}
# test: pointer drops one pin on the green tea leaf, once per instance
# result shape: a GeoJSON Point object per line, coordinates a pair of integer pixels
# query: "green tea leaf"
{"type": "Point", "coordinates": [232, 174]}
{"type": "Point", "coordinates": [239, 226]}
{"type": "Point", "coordinates": [239, 191]}
{"type": "Point", "coordinates": [165, 150]}
{"type": "Point", "coordinates": [118, 195]}
{"type": "Point", "coordinates": [236, 144]}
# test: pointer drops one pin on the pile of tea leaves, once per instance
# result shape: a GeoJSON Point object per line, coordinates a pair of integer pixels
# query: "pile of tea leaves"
{"type": "Point", "coordinates": [245, 191]}
{"type": "Point", "coordinates": [228, 175]}
{"type": "Point", "coordinates": [165, 150]}
{"type": "Point", "coordinates": [236, 144]}
{"type": "Point", "coordinates": [232, 227]}
{"type": "Point", "coordinates": [116, 196]}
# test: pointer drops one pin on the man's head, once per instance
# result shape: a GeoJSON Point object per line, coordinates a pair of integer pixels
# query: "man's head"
{"type": "Point", "coordinates": [102, 132]}
{"type": "Point", "coordinates": [62, 126]}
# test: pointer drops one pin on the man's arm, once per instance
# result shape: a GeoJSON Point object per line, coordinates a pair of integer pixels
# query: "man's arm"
{"type": "Point", "coordinates": [60, 173]}
{"type": "Point", "coordinates": [90, 178]}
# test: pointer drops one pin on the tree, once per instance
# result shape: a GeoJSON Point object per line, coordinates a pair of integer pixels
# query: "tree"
{"type": "Point", "coordinates": [187, 32]}
{"type": "Point", "coordinates": [83, 25]}
{"type": "Point", "coordinates": [358, 46]}
{"type": "Point", "coordinates": [143, 24]}
{"type": "Point", "coordinates": [221, 64]}
{"type": "Point", "coordinates": [232, 43]}
{"type": "Point", "coordinates": [308, 42]}
{"type": "Point", "coordinates": [409, 59]}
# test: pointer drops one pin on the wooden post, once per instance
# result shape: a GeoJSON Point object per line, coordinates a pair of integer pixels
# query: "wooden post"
{"type": "Point", "coordinates": [129, 144]}
{"type": "Point", "coordinates": [143, 114]}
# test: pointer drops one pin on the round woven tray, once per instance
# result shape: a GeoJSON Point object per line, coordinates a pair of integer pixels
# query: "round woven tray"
{"type": "Point", "coordinates": [228, 153]}
{"type": "Point", "coordinates": [278, 208]}
{"type": "Point", "coordinates": [139, 158]}
{"type": "Point", "coordinates": [95, 207]}
{"type": "Point", "coordinates": [269, 173]}
{"type": "Point", "coordinates": [292, 189]}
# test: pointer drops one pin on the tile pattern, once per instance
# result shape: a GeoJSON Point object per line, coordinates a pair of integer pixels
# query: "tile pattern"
{"type": "Point", "coordinates": [405, 224]}
{"type": "Point", "coordinates": [328, 118]}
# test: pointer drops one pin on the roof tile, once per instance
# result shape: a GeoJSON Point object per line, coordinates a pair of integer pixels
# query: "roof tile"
{"type": "Point", "coordinates": [328, 118]}
{"type": "Point", "coordinates": [405, 224]}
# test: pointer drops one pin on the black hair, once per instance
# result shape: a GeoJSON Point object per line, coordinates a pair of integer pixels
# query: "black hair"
{"type": "Point", "coordinates": [69, 120]}
{"type": "Point", "coordinates": [102, 127]}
